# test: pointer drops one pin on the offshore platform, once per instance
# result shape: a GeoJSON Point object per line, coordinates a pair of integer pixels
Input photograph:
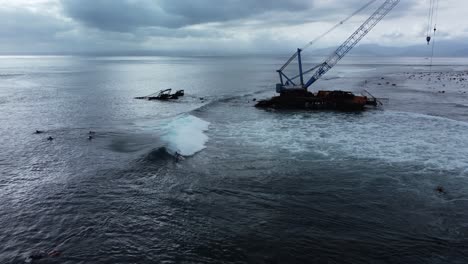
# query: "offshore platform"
{"type": "Point", "coordinates": [293, 90]}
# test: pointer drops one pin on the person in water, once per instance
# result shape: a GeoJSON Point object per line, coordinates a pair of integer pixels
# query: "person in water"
{"type": "Point", "coordinates": [178, 156]}
{"type": "Point", "coordinates": [38, 255]}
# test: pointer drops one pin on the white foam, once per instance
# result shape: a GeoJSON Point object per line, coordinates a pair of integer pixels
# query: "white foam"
{"type": "Point", "coordinates": [185, 135]}
{"type": "Point", "coordinates": [434, 142]}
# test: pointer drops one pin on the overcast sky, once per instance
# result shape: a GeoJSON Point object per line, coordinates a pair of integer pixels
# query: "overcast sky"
{"type": "Point", "coordinates": [210, 26]}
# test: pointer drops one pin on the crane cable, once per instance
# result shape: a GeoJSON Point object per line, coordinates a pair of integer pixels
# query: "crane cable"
{"type": "Point", "coordinates": [328, 32]}
{"type": "Point", "coordinates": [433, 17]}
{"type": "Point", "coordinates": [429, 21]}
{"type": "Point", "coordinates": [339, 24]}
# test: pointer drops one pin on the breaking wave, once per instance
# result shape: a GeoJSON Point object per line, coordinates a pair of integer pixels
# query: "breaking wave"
{"type": "Point", "coordinates": [157, 155]}
{"type": "Point", "coordinates": [185, 135]}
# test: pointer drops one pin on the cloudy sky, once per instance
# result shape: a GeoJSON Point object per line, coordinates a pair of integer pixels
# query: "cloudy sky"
{"type": "Point", "coordinates": [209, 26]}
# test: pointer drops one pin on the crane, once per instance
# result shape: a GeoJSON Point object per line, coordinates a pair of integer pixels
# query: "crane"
{"type": "Point", "coordinates": [289, 83]}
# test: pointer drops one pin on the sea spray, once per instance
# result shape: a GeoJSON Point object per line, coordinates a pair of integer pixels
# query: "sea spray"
{"type": "Point", "coordinates": [185, 135]}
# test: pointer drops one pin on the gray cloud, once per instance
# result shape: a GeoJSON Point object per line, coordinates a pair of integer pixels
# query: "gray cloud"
{"type": "Point", "coordinates": [202, 11]}
{"type": "Point", "coordinates": [220, 26]}
{"type": "Point", "coordinates": [23, 30]}
{"type": "Point", "coordinates": [127, 15]}
{"type": "Point", "coordinates": [23, 24]}
{"type": "Point", "coordinates": [131, 15]}
{"type": "Point", "coordinates": [122, 15]}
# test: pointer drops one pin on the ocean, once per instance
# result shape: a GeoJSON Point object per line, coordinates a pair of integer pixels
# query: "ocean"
{"type": "Point", "coordinates": [388, 185]}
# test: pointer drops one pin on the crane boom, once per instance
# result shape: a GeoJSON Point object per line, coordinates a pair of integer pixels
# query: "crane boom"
{"type": "Point", "coordinates": [338, 54]}
{"type": "Point", "coordinates": [354, 39]}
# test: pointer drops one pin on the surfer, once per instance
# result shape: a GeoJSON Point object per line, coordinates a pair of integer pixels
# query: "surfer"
{"type": "Point", "coordinates": [50, 138]}
{"type": "Point", "coordinates": [178, 156]}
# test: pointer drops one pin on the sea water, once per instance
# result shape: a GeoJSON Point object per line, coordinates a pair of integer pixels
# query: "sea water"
{"type": "Point", "coordinates": [255, 186]}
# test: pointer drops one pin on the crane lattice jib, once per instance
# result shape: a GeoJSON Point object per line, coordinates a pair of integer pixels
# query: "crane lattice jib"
{"type": "Point", "coordinates": [362, 31]}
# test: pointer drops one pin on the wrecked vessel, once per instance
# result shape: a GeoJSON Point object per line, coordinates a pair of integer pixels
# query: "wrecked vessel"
{"type": "Point", "coordinates": [163, 95]}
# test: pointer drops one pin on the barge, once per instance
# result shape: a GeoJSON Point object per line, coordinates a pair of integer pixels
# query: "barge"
{"type": "Point", "coordinates": [322, 100]}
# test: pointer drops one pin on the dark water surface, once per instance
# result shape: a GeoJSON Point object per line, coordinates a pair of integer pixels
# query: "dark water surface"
{"type": "Point", "coordinates": [255, 187]}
